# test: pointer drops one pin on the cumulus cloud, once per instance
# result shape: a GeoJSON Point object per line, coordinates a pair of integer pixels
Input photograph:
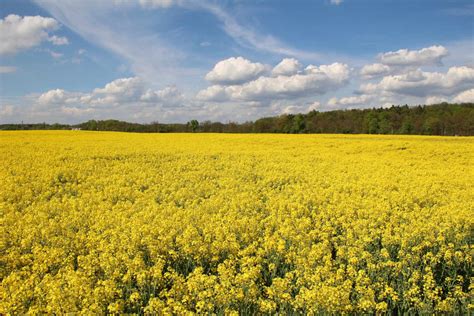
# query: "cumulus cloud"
{"type": "Point", "coordinates": [404, 57]}
{"type": "Point", "coordinates": [22, 33]}
{"type": "Point", "coordinates": [296, 109]}
{"type": "Point", "coordinates": [316, 105]}
{"type": "Point", "coordinates": [7, 69]}
{"type": "Point", "coordinates": [76, 111]}
{"type": "Point", "coordinates": [404, 61]}
{"type": "Point", "coordinates": [118, 93]}
{"type": "Point", "coordinates": [351, 101]}
{"type": "Point", "coordinates": [168, 97]}
{"type": "Point", "coordinates": [56, 96]}
{"type": "Point", "coordinates": [291, 109]}
{"type": "Point", "coordinates": [421, 84]}
{"type": "Point", "coordinates": [133, 90]}
{"type": "Point", "coordinates": [435, 99]}
{"type": "Point", "coordinates": [314, 80]}
{"type": "Point", "coordinates": [235, 70]}
{"type": "Point", "coordinates": [123, 87]}
{"type": "Point", "coordinates": [465, 97]}
{"type": "Point", "coordinates": [124, 98]}
{"type": "Point", "coordinates": [374, 70]}
{"type": "Point", "coordinates": [336, 72]}
{"type": "Point", "coordinates": [214, 93]}
{"type": "Point", "coordinates": [287, 67]}
{"type": "Point", "coordinates": [279, 107]}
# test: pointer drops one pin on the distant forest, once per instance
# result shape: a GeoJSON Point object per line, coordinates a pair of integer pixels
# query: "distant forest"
{"type": "Point", "coordinates": [439, 119]}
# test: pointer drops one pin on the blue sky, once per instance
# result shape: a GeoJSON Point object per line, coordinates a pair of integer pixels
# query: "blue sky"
{"type": "Point", "coordinates": [176, 60]}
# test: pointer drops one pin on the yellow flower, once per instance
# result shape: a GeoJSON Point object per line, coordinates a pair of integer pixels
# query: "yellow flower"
{"type": "Point", "coordinates": [184, 224]}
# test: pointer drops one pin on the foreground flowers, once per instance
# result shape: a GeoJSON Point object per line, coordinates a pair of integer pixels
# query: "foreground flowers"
{"type": "Point", "coordinates": [202, 223]}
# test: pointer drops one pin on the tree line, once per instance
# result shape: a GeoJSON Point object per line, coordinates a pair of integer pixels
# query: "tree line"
{"type": "Point", "coordinates": [438, 119]}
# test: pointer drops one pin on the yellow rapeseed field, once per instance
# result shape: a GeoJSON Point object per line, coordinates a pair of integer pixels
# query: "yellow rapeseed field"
{"type": "Point", "coordinates": [99, 222]}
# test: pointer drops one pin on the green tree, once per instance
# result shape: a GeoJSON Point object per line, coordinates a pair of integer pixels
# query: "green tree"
{"type": "Point", "coordinates": [372, 123]}
{"type": "Point", "coordinates": [384, 124]}
{"type": "Point", "coordinates": [407, 127]}
{"type": "Point", "coordinates": [298, 124]}
{"type": "Point", "coordinates": [432, 126]}
{"type": "Point", "coordinates": [194, 125]}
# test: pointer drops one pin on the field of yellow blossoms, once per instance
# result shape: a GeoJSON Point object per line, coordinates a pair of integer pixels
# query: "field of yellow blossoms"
{"type": "Point", "coordinates": [99, 222]}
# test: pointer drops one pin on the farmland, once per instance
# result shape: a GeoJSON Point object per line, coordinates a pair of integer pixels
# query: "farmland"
{"type": "Point", "coordinates": [102, 222]}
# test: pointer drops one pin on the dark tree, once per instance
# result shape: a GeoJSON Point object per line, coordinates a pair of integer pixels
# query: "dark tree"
{"type": "Point", "coordinates": [440, 119]}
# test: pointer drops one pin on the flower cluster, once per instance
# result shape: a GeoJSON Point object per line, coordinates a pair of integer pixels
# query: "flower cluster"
{"type": "Point", "coordinates": [98, 222]}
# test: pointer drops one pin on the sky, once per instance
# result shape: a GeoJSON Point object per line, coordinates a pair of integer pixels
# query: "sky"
{"type": "Point", "coordinates": [70, 61]}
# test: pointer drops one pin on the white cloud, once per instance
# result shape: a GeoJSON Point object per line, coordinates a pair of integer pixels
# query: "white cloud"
{"type": "Point", "coordinates": [214, 93]}
{"type": "Point", "coordinates": [168, 97]}
{"type": "Point", "coordinates": [128, 99]}
{"type": "Point", "coordinates": [58, 40]}
{"type": "Point", "coordinates": [287, 67]}
{"type": "Point", "coordinates": [337, 72]}
{"type": "Point", "coordinates": [374, 70]}
{"type": "Point", "coordinates": [234, 71]}
{"type": "Point", "coordinates": [7, 69]}
{"type": "Point", "coordinates": [404, 57]}
{"type": "Point", "coordinates": [76, 111]}
{"type": "Point", "coordinates": [435, 99]}
{"type": "Point", "coordinates": [50, 97]}
{"type": "Point", "coordinates": [316, 105]}
{"type": "Point", "coordinates": [315, 80]}
{"type": "Point", "coordinates": [122, 86]}
{"type": "Point", "coordinates": [291, 109]}
{"type": "Point", "coordinates": [465, 97]}
{"type": "Point", "coordinates": [421, 84]}
{"type": "Point", "coordinates": [350, 101]}
{"type": "Point", "coordinates": [279, 107]}
{"type": "Point", "coordinates": [21, 33]}
{"type": "Point", "coordinates": [133, 91]}
{"type": "Point", "coordinates": [336, 2]}
{"type": "Point", "coordinates": [295, 109]}
{"type": "Point", "coordinates": [118, 93]}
